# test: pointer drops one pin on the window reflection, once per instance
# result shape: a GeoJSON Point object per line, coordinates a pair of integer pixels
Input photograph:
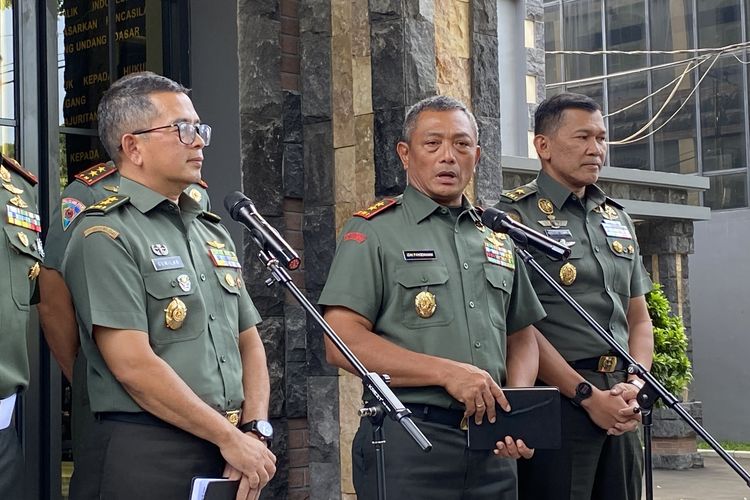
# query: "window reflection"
{"type": "Point", "coordinates": [623, 92]}
{"type": "Point", "coordinates": [7, 63]}
{"type": "Point", "coordinates": [582, 30]}
{"type": "Point", "coordinates": [726, 191]}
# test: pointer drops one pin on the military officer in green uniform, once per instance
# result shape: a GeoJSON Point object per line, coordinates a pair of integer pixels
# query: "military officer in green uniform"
{"type": "Point", "coordinates": [58, 316]}
{"type": "Point", "coordinates": [440, 304]}
{"type": "Point", "coordinates": [174, 360]}
{"type": "Point", "coordinates": [601, 456]}
{"type": "Point", "coordinates": [20, 256]}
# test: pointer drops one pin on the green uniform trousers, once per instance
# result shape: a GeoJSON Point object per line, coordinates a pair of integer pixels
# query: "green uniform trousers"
{"type": "Point", "coordinates": [450, 471]}
{"type": "Point", "coordinates": [150, 462]}
{"type": "Point", "coordinates": [590, 465]}
{"type": "Point", "coordinates": [11, 464]}
{"type": "Point", "coordinates": [87, 437]}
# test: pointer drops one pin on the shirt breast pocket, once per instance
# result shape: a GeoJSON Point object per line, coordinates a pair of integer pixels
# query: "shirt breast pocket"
{"type": "Point", "coordinates": [230, 282]}
{"type": "Point", "coordinates": [21, 261]}
{"type": "Point", "coordinates": [624, 250]}
{"type": "Point", "coordinates": [500, 286]}
{"type": "Point", "coordinates": [423, 296]}
{"type": "Point", "coordinates": [175, 309]}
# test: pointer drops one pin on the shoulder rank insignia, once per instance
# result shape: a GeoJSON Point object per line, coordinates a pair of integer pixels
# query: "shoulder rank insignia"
{"type": "Point", "coordinates": [203, 184]}
{"type": "Point", "coordinates": [210, 216]}
{"type": "Point", "coordinates": [96, 173]}
{"type": "Point", "coordinates": [521, 192]}
{"type": "Point", "coordinates": [12, 164]}
{"type": "Point", "coordinates": [106, 205]}
{"type": "Point", "coordinates": [376, 208]}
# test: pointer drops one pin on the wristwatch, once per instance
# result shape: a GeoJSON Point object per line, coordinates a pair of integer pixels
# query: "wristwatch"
{"type": "Point", "coordinates": [261, 428]}
{"type": "Point", "coordinates": [583, 391]}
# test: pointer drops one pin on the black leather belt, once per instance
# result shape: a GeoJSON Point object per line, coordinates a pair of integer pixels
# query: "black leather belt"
{"type": "Point", "coordinates": [607, 363]}
{"type": "Point", "coordinates": [144, 418]}
{"type": "Point", "coordinates": [430, 413]}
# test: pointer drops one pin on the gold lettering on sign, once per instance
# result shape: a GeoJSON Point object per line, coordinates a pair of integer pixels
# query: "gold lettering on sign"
{"type": "Point", "coordinates": [90, 155]}
{"type": "Point", "coordinates": [81, 27]}
{"type": "Point", "coordinates": [90, 43]}
{"type": "Point", "coordinates": [94, 78]}
{"type": "Point", "coordinates": [129, 14]}
{"type": "Point", "coordinates": [98, 4]}
{"type": "Point", "coordinates": [72, 121]}
{"type": "Point", "coordinates": [72, 11]}
{"type": "Point", "coordinates": [127, 33]}
{"type": "Point", "coordinates": [132, 68]}
{"type": "Point", "coordinates": [72, 102]}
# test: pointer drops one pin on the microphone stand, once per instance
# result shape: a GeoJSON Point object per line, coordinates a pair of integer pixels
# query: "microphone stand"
{"type": "Point", "coordinates": [385, 402]}
{"type": "Point", "coordinates": [652, 389]}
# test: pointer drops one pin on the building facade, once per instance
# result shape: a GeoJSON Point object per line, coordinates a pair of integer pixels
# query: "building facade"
{"type": "Point", "coordinates": [306, 100]}
{"type": "Point", "coordinates": [673, 79]}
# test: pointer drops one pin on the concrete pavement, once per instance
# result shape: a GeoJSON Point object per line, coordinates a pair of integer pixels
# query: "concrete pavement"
{"type": "Point", "coordinates": [715, 481]}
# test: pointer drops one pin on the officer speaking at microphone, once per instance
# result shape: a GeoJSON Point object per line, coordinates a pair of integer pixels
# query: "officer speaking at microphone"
{"type": "Point", "coordinates": [176, 369]}
{"type": "Point", "coordinates": [440, 304]}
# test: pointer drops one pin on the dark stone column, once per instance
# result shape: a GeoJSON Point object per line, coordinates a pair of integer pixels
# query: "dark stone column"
{"type": "Point", "coordinates": [671, 241]}
{"type": "Point", "coordinates": [402, 44]}
{"type": "Point", "coordinates": [485, 99]}
{"type": "Point", "coordinates": [319, 233]}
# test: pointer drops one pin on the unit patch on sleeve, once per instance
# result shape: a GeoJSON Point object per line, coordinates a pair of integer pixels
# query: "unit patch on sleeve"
{"type": "Point", "coordinates": [355, 236]}
{"type": "Point", "coordinates": [69, 209]}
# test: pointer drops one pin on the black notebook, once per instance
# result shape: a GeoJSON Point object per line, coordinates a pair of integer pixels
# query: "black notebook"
{"type": "Point", "coordinates": [534, 417]}
{"type": "Point", "coordinates": [214, 489]}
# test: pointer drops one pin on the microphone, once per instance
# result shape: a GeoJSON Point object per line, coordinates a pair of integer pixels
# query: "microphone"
{"type": "Point", "coordinates": [242, 209]}
{"type": "Point", "coordinates": [497, 220]}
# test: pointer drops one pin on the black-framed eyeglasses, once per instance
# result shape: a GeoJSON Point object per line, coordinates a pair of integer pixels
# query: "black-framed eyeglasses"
{"type": "Point", "coordinates": [186, 131]}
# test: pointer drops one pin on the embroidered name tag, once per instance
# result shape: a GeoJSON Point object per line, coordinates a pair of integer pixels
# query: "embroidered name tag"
{"type": "Point", "coordinates": [412, 255]}
{"type": "Point", "coordinates": [616, 229]}
{"type": "Point", "coordinates": [166, 263]}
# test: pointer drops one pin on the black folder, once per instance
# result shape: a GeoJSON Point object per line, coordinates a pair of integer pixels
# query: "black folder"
{"type": "Point", "coordinates": [534, 418]}
{"type": "Point", "coordinates": [214, 489]}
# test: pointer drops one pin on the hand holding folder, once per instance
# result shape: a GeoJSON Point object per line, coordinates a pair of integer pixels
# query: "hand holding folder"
{"type": "Point", "coordinates": [205, 488]}
{"type": "Point", "coordinates": [534, 418]}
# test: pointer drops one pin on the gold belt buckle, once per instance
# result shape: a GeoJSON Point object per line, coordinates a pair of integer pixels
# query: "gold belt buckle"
{"type": "Point", "coordinates": [607, 364]}
{"type": "Point", "coordinates": [233, 416]}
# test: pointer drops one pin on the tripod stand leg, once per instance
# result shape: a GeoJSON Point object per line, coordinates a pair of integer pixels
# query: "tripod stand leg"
{"type": "Point", "coordinates": [648, 463]}
{"type": "Point", "coordinates": [379, 441]}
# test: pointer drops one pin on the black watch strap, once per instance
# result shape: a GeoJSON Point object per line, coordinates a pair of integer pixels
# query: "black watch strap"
{"type": "Point", "coordinates": [261, 428]}
{"type": "Point", "coordinates": [583, 391]}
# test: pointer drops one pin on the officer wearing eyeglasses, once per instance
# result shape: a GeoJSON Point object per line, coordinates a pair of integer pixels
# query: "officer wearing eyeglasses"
{"type": "Point", "coordinates": [176, 369]}
{"type": "Point", "coordinates": [58, 316]}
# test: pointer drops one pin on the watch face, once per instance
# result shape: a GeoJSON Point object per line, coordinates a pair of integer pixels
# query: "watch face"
{"type": "Point", "coordinates": [265, 428]}
{"type": "Point", "coordinates": [584, 389]}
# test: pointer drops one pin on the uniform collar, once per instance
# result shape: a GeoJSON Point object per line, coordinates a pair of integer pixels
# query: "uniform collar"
{"type": "Point", "coordinates": [422, 206]}
{"type": "Point", "coordinates": [559, 194]}
{"type": "Point", "coordinates": [146, 199]}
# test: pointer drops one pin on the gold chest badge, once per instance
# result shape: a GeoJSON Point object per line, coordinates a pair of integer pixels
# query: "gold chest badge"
{"type": "Point", "coordinates": [175, 314]}
{"type": "Point", "coordinates": [568, 274]}
{"type": "Point", "coordinates": [425, 304]}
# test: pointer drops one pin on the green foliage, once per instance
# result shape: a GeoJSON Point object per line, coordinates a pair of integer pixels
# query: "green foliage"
{"type": "Point", "coordinates": [671, 365]}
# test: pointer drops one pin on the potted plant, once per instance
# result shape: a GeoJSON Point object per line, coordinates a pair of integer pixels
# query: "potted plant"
{"type": "Point", "coordinates": [674, 442]}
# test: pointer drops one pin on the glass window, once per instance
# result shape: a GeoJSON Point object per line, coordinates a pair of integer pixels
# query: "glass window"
{"type": "Point", "coordinates": [8, 141]}
{"type": "Point", "coordinates": [675, 144]}
{"type": "Point", "coordinates": [7, 63]}
{"type": "Point", "coordinates": [624, 91]}
{"type": "Point", "coordinates": [553, 41]}
{"type": "Point", "coordinates": [582, 30]}
{"type": "Point", "coordinates": [85, 42]}
{"type": "Point", "coordinates": [719, 23]}
{"type": "Point", "coordinates": [626, 30]}
{"type": "Point", "coordinates": [726, 191]}
{"type": "Point", "coordinates": [723, 117]}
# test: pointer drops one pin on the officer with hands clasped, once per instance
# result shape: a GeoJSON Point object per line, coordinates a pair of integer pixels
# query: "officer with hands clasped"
{"type": "Point", "coordinates": [174, 360]}
{"type": "Point", "coordinates": [20, 257]}
{"type": "Point", "coordinates": [441, 305]}
{"type": "Point", "coordinates": [58, 320]}
{"type": "Point", "coordinates": [601, 456]}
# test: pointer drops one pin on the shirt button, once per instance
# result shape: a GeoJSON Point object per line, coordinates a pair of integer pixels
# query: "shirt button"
{"type": "Point", "coordinates": [609, 289]}
{"type": "Point", "coordinates": [471, 304]}
{"type": "Point", "coordinates": [173, 283]}
{"type": "Point", "coordinates": [229, 401]}
{"type": "Point", "coordinates": [466, 265]}
{"type": "Point", "coordinates": [443, 210]}
{"type": "Point", "coordinates": [596, 249]}
{"type": "Point", "coordinates": [223, 359]}
{"type": "Point", "coordinates": [424, 279]}
{"type": "Point", "coordinates": [203, 277]}
{"type": "Point", "coordinates": [504, 283]}
{"type": "Point", "coordinates": [213, 317]}
{"type": "Point", "coordinates": [477, 344]}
